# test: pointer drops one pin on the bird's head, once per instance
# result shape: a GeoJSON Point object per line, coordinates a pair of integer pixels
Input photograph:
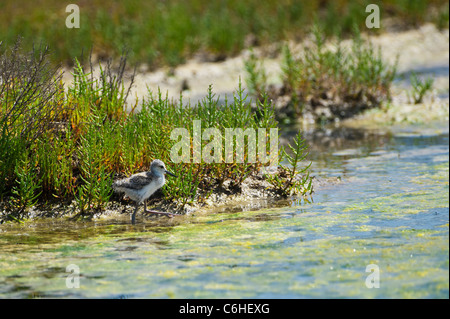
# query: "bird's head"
{"type": "Point", "coordinates": [158, 168]}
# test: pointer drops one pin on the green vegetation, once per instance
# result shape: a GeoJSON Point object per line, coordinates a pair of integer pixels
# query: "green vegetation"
{"type": "Point", "coordinates": [72, 144]}
{"type": "Point", "coordinates": [290, 179]}
{"type": "Point", "coordinates": [329, 80]}
{"type": "Point", "coordinates": [27, 184]}
{"type": "Point", "coordinates": [419, 88]}
{"type": "Point", "coordinates": [168, 32]}
{"type": "Point", "coordinates": [31, 94]}
{"type": "Point", "coordinates": [256, 79]}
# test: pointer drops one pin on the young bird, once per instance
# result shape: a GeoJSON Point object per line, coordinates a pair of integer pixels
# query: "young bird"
{"type": "Point", "coordinates": [141, 186]}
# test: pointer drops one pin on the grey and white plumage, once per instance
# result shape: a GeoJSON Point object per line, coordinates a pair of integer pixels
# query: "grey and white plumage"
{"type": "Point", "coordinates": [140, 186]}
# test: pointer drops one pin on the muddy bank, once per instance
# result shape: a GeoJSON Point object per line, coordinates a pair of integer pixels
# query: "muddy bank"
{"type": "Point", "coordinates": [254, 193]}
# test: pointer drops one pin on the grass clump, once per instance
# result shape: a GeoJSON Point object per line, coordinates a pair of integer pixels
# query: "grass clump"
{"type": "Point", "coordinates": [28, 185]}
{"type": "Point", "coordinates": [419, 88]}
{"type": "Point", "coordinates": [293, 179]}
{"type": "Point", "coordinates": [95, 188]}
{"type": "Point", "coordinates": [256, 76]}
{"type": "Point", "coordinates": [328, 81]}
{"type": "Point", "coordinates": [31, 97]}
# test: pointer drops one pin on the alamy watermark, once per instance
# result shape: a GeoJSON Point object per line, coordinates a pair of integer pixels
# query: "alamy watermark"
{"type": "Point", "coordinates": [231, 152]}
{"type": "Point", "coordinates": [373, 279]}
{"type": "Point", "coordinates": [73, 19]}
{"type": "Point", "coordinates": [73, 279]}
{"type": "Point", "coordinates": [373, 19]}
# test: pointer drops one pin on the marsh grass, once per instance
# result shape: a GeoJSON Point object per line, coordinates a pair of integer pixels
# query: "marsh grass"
{"type": "Point", "coordinates": [293, 179]}
{"type": "Point", "coordinates": [419, 88]}
{"type": "Point", "coordinates": [92, 137]}
{"type": "Point", "coordinates": [28, 184]}
{"type": "Point", "coordinates": [256, 79]}
{"type": "Point", "coordinates": [31, 96]}
{"type": "Point", "coordinates": [329, 80]}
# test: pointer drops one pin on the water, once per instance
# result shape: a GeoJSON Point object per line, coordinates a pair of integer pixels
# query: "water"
{"type": "Point", "coordinates": [388, 207]}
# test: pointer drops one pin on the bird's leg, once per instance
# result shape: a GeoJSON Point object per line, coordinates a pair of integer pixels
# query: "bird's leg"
{"type": "Point", "coordinates": [133, 217]}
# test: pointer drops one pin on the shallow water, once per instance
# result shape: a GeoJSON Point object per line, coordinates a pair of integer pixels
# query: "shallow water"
{"type": "Point", "coordinates": [389, 208]}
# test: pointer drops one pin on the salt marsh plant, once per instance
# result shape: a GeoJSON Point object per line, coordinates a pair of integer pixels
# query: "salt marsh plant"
{"type": "Point", "coordinates": [28, 185]}
{"type": "Point", "coordinates": [54, 154]}
{"type": "Point", "coordinates": [294, 178]}
{"type": "Point", "coordinates": [256, 76]}
{"type": "Point", "coordinates": [31, 95]}
{"type": "Point", "coordinates": [329, 80]}
{"type": "Point", "coordinates": [419, 88]}
{"type": "Point", "coordinates": [94, 189]}
{"type": "Point", "coordinates": [106, 94]}
{"type": "Point", "coordinates": [343, 80]}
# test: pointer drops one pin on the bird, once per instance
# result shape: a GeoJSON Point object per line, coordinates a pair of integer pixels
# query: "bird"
{"type": "Point", "coordinates": [140, 186]}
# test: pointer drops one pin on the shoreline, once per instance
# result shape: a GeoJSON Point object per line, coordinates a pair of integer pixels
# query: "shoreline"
{"type": "Point", "coordinates": [252, 197]}
{"type": "Point", "coordinates": [435, 106]}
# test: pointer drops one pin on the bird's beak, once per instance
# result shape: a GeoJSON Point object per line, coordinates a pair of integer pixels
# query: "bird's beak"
{"type": "Point", "coordinates": [171, 174]}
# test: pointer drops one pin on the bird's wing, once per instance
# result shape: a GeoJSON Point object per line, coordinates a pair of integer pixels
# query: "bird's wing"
{"type": "Point", "coordinates": [136, 182]}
